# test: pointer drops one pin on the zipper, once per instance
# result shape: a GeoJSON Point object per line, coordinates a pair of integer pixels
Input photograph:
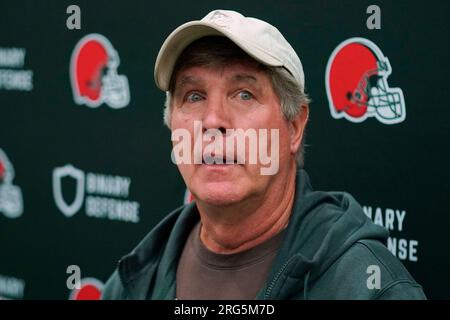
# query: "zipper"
{"type": "Point", "coordinates": [276, 278]}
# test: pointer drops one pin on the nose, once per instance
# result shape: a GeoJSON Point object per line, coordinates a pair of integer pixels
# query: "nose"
{"type": "Point", "coordinates": [216, 114]}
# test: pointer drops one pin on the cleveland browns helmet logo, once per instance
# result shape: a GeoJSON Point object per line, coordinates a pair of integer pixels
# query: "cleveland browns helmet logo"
{"type": "Point", "coordinates": [357, 87]}
{"type": "Point", "coordinates": [93, 74]}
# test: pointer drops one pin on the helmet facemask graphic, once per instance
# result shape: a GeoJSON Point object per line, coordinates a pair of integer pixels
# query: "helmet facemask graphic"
{"type": "Point", "coordinates": [94, 74]}
{"type": "Point", "coordinates": [357, 86]}
{"type": "Point", "coordinates": [11, 200]}
{"type": "Point", "coordinates": [115, 87]}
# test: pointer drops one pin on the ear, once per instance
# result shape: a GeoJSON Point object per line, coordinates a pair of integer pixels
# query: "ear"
{"type": "Point", "coordinates": [297, 128]}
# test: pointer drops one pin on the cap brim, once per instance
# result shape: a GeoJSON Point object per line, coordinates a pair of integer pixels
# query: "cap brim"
{"type": "Point", "coordinates": [187, 33]}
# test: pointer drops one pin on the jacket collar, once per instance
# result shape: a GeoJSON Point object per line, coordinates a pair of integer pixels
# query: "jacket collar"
{"type": "Point", "coordinates": [314, 239]}
{"type": "Point", "coordinates": [152, 264]}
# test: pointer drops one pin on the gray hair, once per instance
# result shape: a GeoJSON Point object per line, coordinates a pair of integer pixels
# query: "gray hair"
{"type": "Point", "coordinates": [291, 94]}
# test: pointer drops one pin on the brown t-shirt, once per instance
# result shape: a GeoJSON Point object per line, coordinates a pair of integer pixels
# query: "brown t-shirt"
{"type": "Point", "coordinates": [203, 274]}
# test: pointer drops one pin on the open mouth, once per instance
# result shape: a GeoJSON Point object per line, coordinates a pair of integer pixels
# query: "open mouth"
{"type": "Point", "coordinates": [218, 160]}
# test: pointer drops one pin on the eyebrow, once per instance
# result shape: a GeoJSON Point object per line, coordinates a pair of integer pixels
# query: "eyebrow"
{"type": "Point", "coordinates": [185, 80]}
{"type": "Point", "coordinates": [244, 78]}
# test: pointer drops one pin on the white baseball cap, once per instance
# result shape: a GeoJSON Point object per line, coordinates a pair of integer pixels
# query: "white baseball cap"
{"type": "Point", "coordinates": [257, 38]}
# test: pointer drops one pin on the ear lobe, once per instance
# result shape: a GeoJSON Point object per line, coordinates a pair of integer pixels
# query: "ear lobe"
{"type": "Point", "coordinates": [297, 127]}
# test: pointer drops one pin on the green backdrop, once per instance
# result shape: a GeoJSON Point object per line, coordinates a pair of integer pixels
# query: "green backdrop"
{"type": "Point", "coordinates": [399, 173]}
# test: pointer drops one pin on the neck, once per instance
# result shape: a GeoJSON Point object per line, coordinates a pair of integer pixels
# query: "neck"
{"type": "Point", "coordinates": [245, 225]}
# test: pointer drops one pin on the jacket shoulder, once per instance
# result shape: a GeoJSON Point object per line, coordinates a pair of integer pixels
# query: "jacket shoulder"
{"type": "Point", "coordinates": [141, 263]}
{"type": "Point", "coordinates": [113, 289]}
{"type": "Point", "coordinates": [398, 283]}
{"type": "Point", "coordinates": [367, 270]}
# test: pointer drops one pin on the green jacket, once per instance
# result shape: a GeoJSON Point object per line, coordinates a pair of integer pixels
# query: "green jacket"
{"type": "Point", "coordinates": [327, 249]}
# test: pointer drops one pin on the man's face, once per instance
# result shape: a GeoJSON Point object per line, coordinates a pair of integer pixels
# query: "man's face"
{"type": "Point", "coordinates": [237, 96]}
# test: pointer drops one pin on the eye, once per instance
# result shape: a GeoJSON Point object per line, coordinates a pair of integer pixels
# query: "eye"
{"type": "Point", "coordinates": [193, 97]}
{"type": "Point", "coordinates": [245, 95]}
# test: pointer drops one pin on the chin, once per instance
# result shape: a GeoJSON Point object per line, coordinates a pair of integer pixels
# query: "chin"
{"type": "Point", "coordinates": [219, 195]}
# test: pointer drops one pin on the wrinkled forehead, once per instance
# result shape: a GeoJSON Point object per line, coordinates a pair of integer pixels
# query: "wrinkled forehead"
{"type": "Point", "coordinates": [236, 72]}
{"type": "Point", "coordinates": [215, 53]}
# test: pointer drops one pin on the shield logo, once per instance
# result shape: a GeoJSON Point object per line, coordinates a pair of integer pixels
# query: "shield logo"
{"type": "Point", "coordinates": [71, 172]}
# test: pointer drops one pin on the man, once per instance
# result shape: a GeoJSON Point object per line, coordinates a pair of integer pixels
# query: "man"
{"type": "Point", "coordinates": [256, 230]}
